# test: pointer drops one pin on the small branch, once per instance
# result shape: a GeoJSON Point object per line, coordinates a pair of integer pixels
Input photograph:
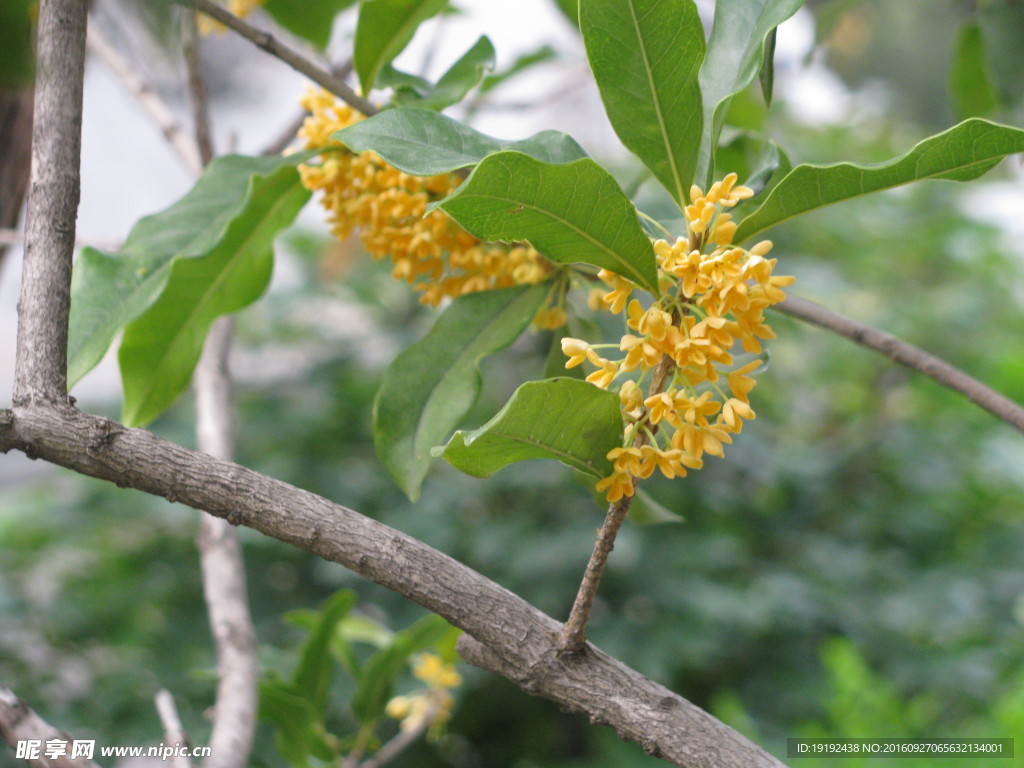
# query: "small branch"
{"type": "Point", "coordinates": [42, 347]}
{"type": "Point", "coordinates": [223, 569]}
{"type": "Point", "coordinates": [401, 741]}
{"type": "Point", "coordinates": [287, 135]}
{"type": "Point", "coordinates": [574, 634]}
{"type": "Point", "coordinates": [174, 731]}
{"type": "Point", "coordinates": [196, 88]}
{"type": "Point", "coordinates": [19, 723]}
{"type": "Point", "coordinates": [907, 354]}
{"type": "Point", "coordinates": [148, 99]}
{"type": "Point", "coordinates": [267, 42]}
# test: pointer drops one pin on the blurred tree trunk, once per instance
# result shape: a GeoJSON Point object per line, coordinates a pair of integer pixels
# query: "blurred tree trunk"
{"type": "Point", "coordinates": [15, 156]}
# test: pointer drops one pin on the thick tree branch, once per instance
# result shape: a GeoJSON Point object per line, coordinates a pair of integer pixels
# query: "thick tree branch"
{"type": "Point", "coordinates": [148, 99]}
{"type": "Point", "coordinates": [19, 723]}
{"type": "Point", "coordinates": [518, 636]}
{"type": "Point", "coordinates": [267, 42]}
{"type": "Point", "coordinates": [907, 354]}
{"type": "Point", "coordinates": [41, 360]}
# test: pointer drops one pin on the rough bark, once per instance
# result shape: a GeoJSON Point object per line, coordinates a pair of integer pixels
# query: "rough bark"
{"type": "Point", "coordinates": [521, 642]}
{"type": "Point", "coordinates": [19, 723]}
{"type": "Point", "coordinates": [41, 362]}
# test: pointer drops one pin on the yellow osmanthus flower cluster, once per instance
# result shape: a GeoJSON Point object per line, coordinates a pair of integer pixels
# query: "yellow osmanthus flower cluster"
{"type": "Point", "coordinates": [432, 706]}
{"type": "Point", "coordinates": [240, 8]}
{"type": "Point", "coordinates": [389, 209]}
{"type": "Point", "coordinates": [713, 295]}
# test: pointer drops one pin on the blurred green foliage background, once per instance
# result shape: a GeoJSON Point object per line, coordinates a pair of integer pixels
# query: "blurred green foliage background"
{"type": "Point", "coordinates": [852, 568]}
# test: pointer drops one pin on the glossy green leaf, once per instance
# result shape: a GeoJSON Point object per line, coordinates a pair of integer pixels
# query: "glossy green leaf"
{"type": "Point", "coordinates": [463, 76]}
{"type": "Point", "coordinates": [425, 143]}
{"type": "Point", "coordinates": [735, 53]}
{"type": "Point", "coordinates": [565, 419]}
{"type": "Point", "coordinates": [109, 290]}
{"type": "Point", "coordinates": [573, 212]}
{"type": "Point", "coordinates": [645, 55]}
{"type": "Point", "coordinates": [314, 672]}
{"type": "Point", "coordinates": [431, 385]}
{"type": "Point", "coordinates": [310, 21]}
{"type": "Point", "coordinates": [161, 347]}
{"type": "Point", "coordinates": [964, 152]}
{"type": "Point", "coordinates": [767, 74]}
{"type": "Point", "coordinates": [969, 84]}
{"type": "Point", "coordinates": [384, 28]}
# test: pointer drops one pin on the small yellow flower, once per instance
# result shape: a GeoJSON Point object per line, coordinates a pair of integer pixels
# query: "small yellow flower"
{"type": "Point", "coordinates": [435, 672]}
{"type": "Point", "coordinates": [576, 350]}
{"type": "Point", "coordinates": [615, 486]}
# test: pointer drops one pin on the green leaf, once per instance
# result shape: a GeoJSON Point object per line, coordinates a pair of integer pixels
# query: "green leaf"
{"type": "Point", "coordinates": [570, 9]}
{"type": "Point", "coordinates": [424, 143]}
{"type": "Point", "coordinates": [109, 290]}
{"type": "Point", "coordinates": [377, 676]}
{"type": "Point", "coordinates": [767, 74]}
{"type": "Point", "coordinates": [565, 419]}
{"type": "Point", "coordinates": [571, 213]}
{"type": "Point", "coordinates": [964, 152]}
{"type": "Point", "coordinates": [384, 28]}
{"type": "Point", "coordinates": [646, 510]}
{"type": "Point", "coordinates": [969, 85]}
{"type": "Point", "coordinates": [735, 53]}
{"type": "Point", "coordinates": [431, 385]}
{"type": "Point", "coordinates": [299, 733]}
{"type": "Point", "coordinates": [16, 52]}
{"type": "Point", "coordinates": [161, 346]}
{"type": "Point", "coordinates": [464, 74]}
{"type": "Point", "coordinates": [645, 55]}
{"type": "Point", "coordinates": [313, 674]}
{"type": "Point", "coordinates": [310, 21]}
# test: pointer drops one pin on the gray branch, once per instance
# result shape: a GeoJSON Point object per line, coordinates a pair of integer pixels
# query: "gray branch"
{"type": "Point", "coordinates": [520, 640]}
{"type": "Point", "coordinates": [19, 723]}
{"type": "Point", "coordinates": [907, 354]}
{"type": "Point", "coordinates": [41, 358]}
{"type": "Point", "coordinates": [270, 44]}
{"type": "Point", "coordinates": [223, 568]}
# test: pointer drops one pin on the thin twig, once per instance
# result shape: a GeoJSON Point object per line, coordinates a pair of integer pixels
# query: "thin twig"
{"type": "Point", "coordinates": [18, 722]}
{"type": "Point", "coordinates": [267, 42]}
{"type": "Point", "coordinates": [288, 133]}
{"type": "Point", "coordinates": [42, 347]}
{"type": "Point", "coordinates": [574, 633]}
{"type": "Point", "coordinates": [402, 740]}
{"type": "Point", "coordinates": [220, 552]}
{"type": "Point", "coordinates": [573, 636]}
{"type": "Point", "coordinates": [223, 570]}
{"type": "Point", "coordinates": [196, 88]}
{"type": "Point", "coordinates": [907, 354]}
{"type": "Point", "coordinates": [148, 99]}
{"type": "Point", "coordinates": [174, 731]}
